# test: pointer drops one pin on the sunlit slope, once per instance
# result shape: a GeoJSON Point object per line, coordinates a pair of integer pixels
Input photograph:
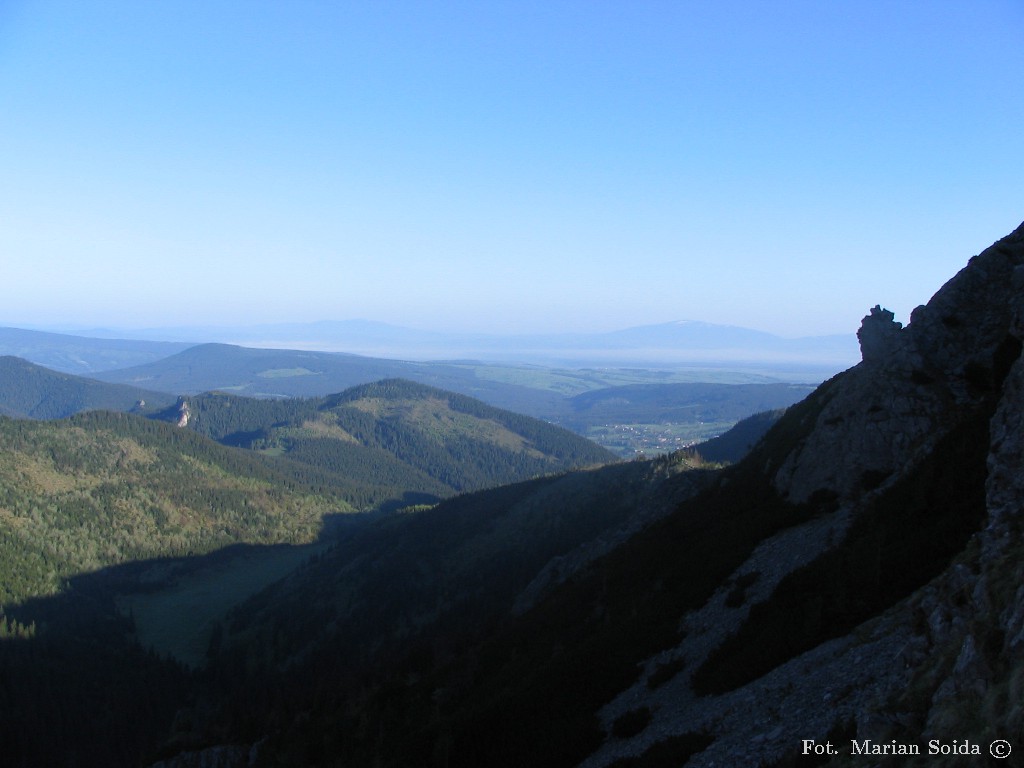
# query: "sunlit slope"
{"type": "Point", "coordinates": [104, 488]}
{"type": "Point", "coordinates": [397, 434]}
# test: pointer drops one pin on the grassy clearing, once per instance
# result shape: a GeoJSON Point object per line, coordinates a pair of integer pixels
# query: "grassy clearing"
{"type": "Point", "coordinates": [179, 620]}
{"type": "Point", "coordinates": [285, 373]}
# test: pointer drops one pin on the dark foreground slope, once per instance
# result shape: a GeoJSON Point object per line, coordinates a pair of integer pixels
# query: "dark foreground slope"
{"type": "Point", "coordinates": [738, 441]}
{"type": "Point", "coordinates": [392, 591]}
{"type": "Point", "coordinates": [854, 577]}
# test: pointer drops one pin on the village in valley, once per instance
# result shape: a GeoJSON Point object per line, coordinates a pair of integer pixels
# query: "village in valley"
{"type": "Point", "coordinates": [649, 440]}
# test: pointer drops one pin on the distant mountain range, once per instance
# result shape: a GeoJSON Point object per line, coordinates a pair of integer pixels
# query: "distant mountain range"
{"type": "Point", "coordinates": [665, 344]}
{"type": "Point", "coordinates": [82, 354]}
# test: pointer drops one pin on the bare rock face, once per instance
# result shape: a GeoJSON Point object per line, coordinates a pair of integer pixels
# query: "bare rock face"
{"type": "Point", "coordinates": [982, 626]}
{"type": "Point", "coordinates": [1005, 485]}
{"type": "Point", "coordinates": [914, 384]}
{"type": "Point", "coordinates": [184, 413]}
{"type": "Point", "coordinates": [999, 594]}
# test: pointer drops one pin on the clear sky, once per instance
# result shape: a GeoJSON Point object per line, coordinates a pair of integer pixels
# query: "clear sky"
{"type": "Point", "coordinates": [501, 166]}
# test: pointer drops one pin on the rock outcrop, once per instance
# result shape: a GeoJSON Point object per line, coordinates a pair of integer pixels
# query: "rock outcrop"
{"type": "Point", "coordinates": [879, 334]}
{"type": "Point", "coordinates": [184, 412]}
{"type": "Point", "coordinates": [914, 384]}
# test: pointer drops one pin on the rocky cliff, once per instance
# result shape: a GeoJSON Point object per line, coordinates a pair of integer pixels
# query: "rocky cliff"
{"type": "Point", "coordinates": [931, 418]}
{"type": "Point", "coordinates": [914, 383]}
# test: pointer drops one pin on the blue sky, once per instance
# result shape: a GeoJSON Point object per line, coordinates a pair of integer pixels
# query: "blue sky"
{"type": "Point", "coordinates": [501, 166]}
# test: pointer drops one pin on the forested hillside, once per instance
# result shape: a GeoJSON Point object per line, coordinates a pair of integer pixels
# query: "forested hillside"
{"type": "Point", "coordinates": [527, 661]}
{"type": "Point", "coordinates": [367, 624]}
{"type": "Point", "coordinates": [32, 391]}
{"type": "Point", "coordinates": [394, 435]}
{"type": "Point", "coordinates": [104, 488]}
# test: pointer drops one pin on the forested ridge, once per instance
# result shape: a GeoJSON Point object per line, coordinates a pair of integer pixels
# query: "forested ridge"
{"type": "Point", "coordinates": [695, 403]}
{"type": "Point", "coordinates": [32, 391]}
{"type": "Point", "coordinates": [395, 434]}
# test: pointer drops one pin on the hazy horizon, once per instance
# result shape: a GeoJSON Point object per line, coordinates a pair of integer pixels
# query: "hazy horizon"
{"type": "Point", "coordinates": [85, 329]}
{"type": "Point", "coordinates": [668, 346]}
{"type": "Point", "coordinates": [507, 168]}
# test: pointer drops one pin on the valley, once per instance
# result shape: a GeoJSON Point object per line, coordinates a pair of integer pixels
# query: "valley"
{"type": "Point", "coordinates": [396, 573]}
{"type": "Point", "coordinates": [632, 440]}
{"type": "Point", "coordinates": [180, 620]}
